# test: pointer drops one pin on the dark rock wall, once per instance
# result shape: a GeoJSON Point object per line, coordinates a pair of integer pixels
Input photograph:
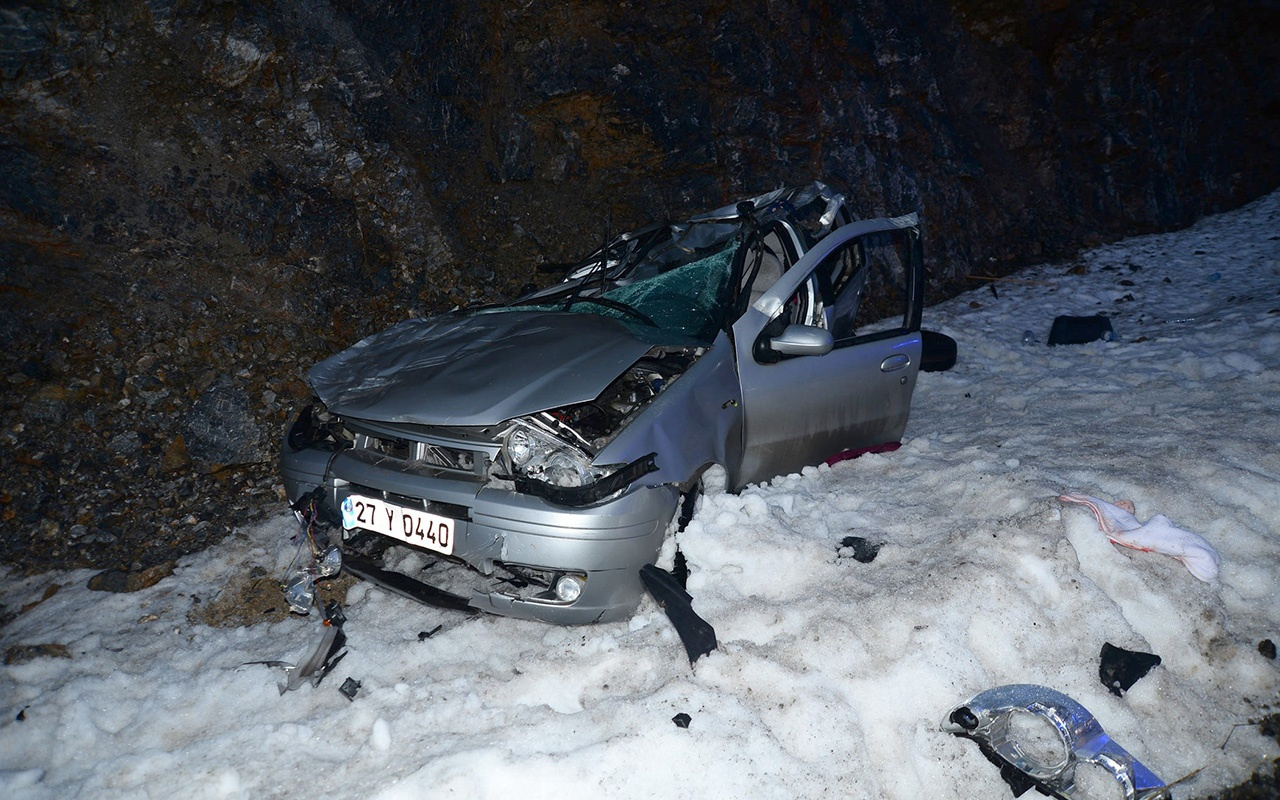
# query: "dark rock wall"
{"type": "Point", "coordinates": [198, 199]}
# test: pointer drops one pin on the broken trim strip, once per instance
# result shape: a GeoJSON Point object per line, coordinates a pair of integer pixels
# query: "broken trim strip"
{"type": "Point", "coordinates": [403, 585]}
{"type": "Point", "coordinates": [593, 492]}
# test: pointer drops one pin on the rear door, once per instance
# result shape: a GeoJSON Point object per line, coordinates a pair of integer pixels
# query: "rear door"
{"type": "Point", "coordinates": [828, 356]}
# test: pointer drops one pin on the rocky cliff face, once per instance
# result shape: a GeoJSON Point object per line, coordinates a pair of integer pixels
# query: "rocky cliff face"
{"type": "Point", "coordinates": [199, 199]}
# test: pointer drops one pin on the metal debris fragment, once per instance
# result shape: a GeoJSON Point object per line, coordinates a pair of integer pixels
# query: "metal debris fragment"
{"type": "Point", "coordinates": [986, 719]}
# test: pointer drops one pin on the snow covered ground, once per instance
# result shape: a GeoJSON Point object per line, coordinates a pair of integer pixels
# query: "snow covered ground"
{"type": "Point", "coordinates": [833, 676]}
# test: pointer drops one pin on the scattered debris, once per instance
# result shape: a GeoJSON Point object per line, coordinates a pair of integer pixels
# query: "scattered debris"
{"type": "Point", "coordinates": [349, 688]}
{"type": "Point", "coordinates": [253, 596]}
{"type": "Point", "coordinates": [323, 658]}
{"type": "Point", "coordinates": [1157, 534]}
{"type": "Point", "coordinates": [986, 719]}
{"type": "Point", "coordinates": [321, 661]}
{"type": "Point", "coordinates": [425, 635]}
{"type": "Point", "coordinates": [321, 559]}
{"type": "Point", "coordinates": [1232, 732]}
{"type": "Point", "coordinates": [697, 634]}
{"type": "Point", "coordinates": [1080, 330]}
{"type": "Point", "coordinates": [1120, 669]}
{"type": "Point", "coordinates": [1267, 648]}
{"type": "Point", "coordinates": [334, 615]}
{"type": "Point", "coordinates": [682, 720]}
{"type": "Point", "coordinates": [859, 549]}
{"type": "Point", "coordinates": [22, 653]}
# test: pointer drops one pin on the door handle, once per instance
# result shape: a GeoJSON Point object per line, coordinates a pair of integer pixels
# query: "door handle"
{"type": "Point", "coordinates": [895, 362]}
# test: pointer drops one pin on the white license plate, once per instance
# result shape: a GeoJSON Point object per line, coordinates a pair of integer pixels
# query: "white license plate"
{"type": "Point", "coordinates": [405, 524]}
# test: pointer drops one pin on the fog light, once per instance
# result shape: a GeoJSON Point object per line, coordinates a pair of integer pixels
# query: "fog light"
{"type": "Point", "coordinates": [569, 588]}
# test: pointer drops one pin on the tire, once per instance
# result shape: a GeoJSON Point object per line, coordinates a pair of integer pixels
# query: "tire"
{"type": "Point", "coordinates": [939, 352]}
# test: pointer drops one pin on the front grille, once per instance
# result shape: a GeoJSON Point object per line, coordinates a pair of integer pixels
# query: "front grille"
{"type": "Point", "coordinates": [451, 510]}
{"type": "Point", "coordinates": [401, 449]}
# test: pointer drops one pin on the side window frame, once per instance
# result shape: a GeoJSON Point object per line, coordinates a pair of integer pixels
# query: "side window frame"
{"type": "Point", "coordinates": [788, 256]}
{"type": "Point", "coordinates": [833, 282]}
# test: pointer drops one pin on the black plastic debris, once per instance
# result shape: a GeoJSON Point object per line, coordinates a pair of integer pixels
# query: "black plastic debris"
{"type": "Point", "coordinates": [22, 715]}
{"type": "Point", "coordinates": [1120, 669]}
{"type": "Point", "coordinates": [349, 688]}
{"type": "Point", "coordinates": [696, 633]}
{"type": "Point", "coordinates": [680, 569]}
{"type": "Point", "coordinates": [334, 615]}
{"type": "Point", "coordinates": [1081, 330]}
{"type": "Point", "coordinates": [682, 720]}
{"type": "Point", "coordinates": [425, 635]}
{"type": "Point", "coordinates": [1267, 648]}
{"type": "Point", "coordinates": [859, 549]}
{"type": "Point", "coordinates": [1019, 782]}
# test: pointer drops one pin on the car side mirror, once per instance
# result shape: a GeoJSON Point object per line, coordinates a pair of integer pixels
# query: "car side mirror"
{"type": "Point", "coordinates": [803, 340]}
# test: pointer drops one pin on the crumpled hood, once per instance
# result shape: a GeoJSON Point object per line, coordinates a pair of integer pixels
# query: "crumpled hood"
{"type": "Point", "coordinates": [478, 369]}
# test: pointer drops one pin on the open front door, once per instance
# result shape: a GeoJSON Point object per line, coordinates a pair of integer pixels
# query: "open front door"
{"type": "Point", "coordinates": [828, 356]}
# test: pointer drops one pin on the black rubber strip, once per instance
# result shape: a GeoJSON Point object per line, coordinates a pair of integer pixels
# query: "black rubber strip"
{"type": "Point", "coordinates": [404, 586]}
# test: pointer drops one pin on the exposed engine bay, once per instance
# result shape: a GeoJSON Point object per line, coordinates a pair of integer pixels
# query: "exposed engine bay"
{"type": "Point", "coordinates": [593, 425]}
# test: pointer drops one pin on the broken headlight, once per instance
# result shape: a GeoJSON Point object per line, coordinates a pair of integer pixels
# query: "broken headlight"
{"type": "Point", "coordinates": [533, 451]}
{"type": "Point", "coordinates": [316, 426]}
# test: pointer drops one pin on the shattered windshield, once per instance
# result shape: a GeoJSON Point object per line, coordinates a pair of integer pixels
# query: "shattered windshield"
{"type": "Point", "coordinates": [675, 280]}
{"type": "Point", "coordinates": [685, 301]}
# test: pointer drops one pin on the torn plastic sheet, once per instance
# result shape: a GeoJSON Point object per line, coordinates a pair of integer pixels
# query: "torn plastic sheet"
{"type": "Point", "coordinates": [988, 719]}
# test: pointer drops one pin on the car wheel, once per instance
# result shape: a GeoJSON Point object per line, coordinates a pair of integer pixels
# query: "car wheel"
{"type": "Point", "coordinates": [939, 352]}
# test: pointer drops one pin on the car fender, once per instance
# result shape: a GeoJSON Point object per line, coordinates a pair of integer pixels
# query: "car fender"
{"type": "Point", "coordinates": [696, 421]}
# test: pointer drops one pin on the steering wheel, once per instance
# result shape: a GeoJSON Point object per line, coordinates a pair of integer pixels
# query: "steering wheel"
{"type": "Point", "coordinates": [616, 305]}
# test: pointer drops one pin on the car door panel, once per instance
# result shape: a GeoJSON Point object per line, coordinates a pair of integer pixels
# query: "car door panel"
{"type": "Point", "coordinates": [802, 410]}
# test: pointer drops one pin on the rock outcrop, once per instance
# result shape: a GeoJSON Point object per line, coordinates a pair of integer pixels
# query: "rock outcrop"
{"type": "Point", "coordinates": [198, 200]}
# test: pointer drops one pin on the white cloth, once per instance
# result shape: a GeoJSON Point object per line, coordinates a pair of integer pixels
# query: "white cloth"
{"type": "Point", "coordinates": [1156, 535]}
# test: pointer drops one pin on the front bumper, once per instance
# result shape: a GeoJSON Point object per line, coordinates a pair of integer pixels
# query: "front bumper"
{"type": "Point", "coordinates": [607, 542]}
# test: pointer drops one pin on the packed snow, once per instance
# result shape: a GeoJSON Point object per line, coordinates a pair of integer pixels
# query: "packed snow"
{"type": "Point", "coordinates": [833, 675]}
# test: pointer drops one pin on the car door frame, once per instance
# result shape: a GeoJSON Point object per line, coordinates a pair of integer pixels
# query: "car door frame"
{"type": "Point", "coordinates": [778, 437]}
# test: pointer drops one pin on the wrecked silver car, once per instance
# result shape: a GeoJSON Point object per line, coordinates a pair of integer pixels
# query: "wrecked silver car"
{"type": "Point", "coordinates": [530, 459]}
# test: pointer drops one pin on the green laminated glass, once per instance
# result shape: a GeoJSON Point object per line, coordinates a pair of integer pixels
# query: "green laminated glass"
{"type": "Point", "coordinates": [688, 300]}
